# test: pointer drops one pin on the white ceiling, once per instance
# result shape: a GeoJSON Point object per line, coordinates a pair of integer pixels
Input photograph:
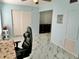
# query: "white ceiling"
{"type": "Point", "coordinates": [20, 2]}
{"type": "Point", "coordinates": [27, 2]}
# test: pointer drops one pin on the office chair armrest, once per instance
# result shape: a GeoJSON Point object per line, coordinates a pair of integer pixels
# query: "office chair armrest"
{"type": "Point", "coordinates": [16, 43]}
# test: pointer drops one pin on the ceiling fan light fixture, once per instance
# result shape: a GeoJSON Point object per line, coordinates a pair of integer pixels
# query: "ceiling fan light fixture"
{"type": "Point", "coordinates": [35, 1]}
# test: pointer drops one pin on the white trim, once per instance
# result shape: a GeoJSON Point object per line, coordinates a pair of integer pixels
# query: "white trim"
{"type": "Point", "coordinates": [66, 50]}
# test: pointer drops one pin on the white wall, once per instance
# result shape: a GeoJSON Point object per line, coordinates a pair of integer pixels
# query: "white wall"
{"type": "Point", "coordinates": [7, 16]}
{"type": "Point", "coordinates": [45, 5]}
{"type": "Point", "coordinates": [68, 31]}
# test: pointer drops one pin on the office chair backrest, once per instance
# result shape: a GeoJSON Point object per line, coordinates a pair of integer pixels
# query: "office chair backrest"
{"type": "Point", "coordinates": [27, 44]}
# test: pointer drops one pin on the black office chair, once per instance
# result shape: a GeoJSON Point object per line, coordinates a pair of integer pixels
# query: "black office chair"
{"type": "Point", "coordinates": [26, 46]}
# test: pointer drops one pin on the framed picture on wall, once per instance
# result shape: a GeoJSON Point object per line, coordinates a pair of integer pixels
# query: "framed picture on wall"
{"type": "Point", "coordinates": [72, 1]}
{"type": "Point", "coordinates": [60, 19]}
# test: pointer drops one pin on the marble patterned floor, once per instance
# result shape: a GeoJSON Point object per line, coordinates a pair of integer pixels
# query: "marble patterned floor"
{"type": "Point", "coordinates": [44, 49]}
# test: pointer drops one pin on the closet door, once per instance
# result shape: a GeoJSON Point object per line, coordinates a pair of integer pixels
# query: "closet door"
{"type": "Point", "coordinates": [21, 20]}
{"type": "Point", "coordinates": [26, 20]}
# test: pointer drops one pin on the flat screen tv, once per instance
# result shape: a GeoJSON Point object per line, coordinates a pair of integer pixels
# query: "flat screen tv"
{"type": "Point", "coordinates": [44, 28]}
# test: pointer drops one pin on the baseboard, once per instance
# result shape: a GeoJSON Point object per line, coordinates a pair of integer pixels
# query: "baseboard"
{"type": "Point", "coordinates": [66, 50]}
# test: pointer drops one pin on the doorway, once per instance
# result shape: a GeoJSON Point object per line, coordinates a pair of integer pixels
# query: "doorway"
{"type": "Point", "coordinates": [45, 25]}
{"type": "Point", "coordinates": [45, 21]}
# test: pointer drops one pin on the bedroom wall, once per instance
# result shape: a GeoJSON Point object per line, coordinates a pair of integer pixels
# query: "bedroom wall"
{"type": "Point", "coordinates": [62, 34]}
{"type": "Point", "coordinates": [7, 17]}
{"type": "Point", "coordinates": [65, 35]}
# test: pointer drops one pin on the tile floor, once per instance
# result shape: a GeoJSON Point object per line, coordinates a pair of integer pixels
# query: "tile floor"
{"type": "Point", "coordinates": [44, 49]}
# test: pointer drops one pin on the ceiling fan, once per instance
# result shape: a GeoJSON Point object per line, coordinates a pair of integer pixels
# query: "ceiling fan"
{"type": "Point", "coordinates": [37, 1]}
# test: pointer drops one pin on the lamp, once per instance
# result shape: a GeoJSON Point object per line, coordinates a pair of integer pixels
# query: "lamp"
{"type": "Point", "coordinates": [35, 1]}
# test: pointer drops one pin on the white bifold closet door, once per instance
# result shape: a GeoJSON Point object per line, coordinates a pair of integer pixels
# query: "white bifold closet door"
{"type": "Point", "coordinates": [21, 20]}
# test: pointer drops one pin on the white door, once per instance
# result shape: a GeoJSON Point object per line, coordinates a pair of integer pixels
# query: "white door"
{"type": "Point", "coordinates": [21, 20]}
